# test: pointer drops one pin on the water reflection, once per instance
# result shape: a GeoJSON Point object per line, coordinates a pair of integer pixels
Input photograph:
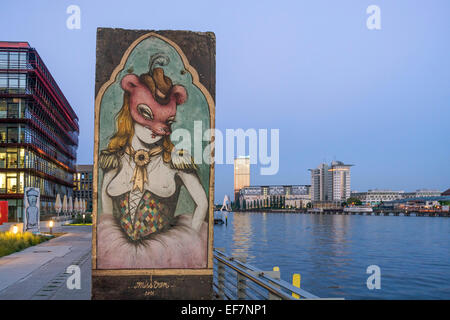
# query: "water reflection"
{"type": "Point", "coordinates": [332, 252]}
{"type": "Point", "coordinates": [242, 235]}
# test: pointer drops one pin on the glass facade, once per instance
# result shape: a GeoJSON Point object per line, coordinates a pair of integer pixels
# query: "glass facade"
{"type": "Point", "coordinates": [83, 184]}
{"type": "Point", "coordinates": [38, 131]}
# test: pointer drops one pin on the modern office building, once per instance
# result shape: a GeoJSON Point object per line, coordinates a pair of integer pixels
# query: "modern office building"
{"type": "Point", "coordinates": [423, 193]}
{"type": "Point", "coordinates": [339, 181]}
{"type": "Point", "coordinates": [38, 131]}
{"type": "Point", "coordinates": [319, 183]}
{"type": "Point", "coordinates": [330, 182]}
{"type": "Point", "coordinates": [241, 174]}
{"type": "Point", "coordinates": [292, 196]}
{"type": "Point", "coordinates": [82, 181]}
{"type": "Point", "coordinates": [375, 197]}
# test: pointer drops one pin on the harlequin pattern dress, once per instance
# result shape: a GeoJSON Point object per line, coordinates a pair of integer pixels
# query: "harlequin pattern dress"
{"type": "Point", "coordinates": [150, 236]}
{"type": "Point", "coordinates": [152, 215]}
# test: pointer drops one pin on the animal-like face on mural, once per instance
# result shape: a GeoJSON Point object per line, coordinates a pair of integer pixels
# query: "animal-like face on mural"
{"type": "Point", "coordinates": [152, 106]}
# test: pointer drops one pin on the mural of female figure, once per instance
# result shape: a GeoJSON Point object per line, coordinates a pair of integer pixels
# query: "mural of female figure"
{"type": "Point", "coordinates": [142, 177]}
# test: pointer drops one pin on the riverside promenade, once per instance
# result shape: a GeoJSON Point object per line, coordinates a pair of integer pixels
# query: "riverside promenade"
{"type": "Point", "coordinates": [39, 272]}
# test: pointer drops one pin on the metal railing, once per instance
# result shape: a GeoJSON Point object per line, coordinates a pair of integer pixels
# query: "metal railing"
{"type": "Point", "coordinates": [236, 280]}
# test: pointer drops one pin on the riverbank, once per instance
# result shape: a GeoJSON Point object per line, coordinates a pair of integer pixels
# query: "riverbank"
{"type": "Point", "coordinates": [274, 210]}
{"type": "Point", "coordinates": [332, 252]}
{"type": "Point", "coordinates": [375, 212]}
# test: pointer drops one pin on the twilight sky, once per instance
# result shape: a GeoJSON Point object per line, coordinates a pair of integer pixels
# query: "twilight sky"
{"type": "Point", "coordinates": [378, 99]}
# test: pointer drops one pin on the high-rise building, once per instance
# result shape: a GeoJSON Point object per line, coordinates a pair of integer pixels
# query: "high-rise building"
{"type": "Point", "coordinates": [38, 131]}
{"type": "Point", "coordinates": [330, 183]}
{"type": "Point", "coordinates": [319, 183]}
{"type": "Point", "coordinates": [241, 174]}
{"type": "Point", "coordinates": [82, 181]}
{"type": "Point", "coordinates": [339, 181]}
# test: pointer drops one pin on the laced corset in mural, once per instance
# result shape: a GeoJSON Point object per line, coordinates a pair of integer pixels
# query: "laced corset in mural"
{"type": "Point", "coordinates": [142, 214]}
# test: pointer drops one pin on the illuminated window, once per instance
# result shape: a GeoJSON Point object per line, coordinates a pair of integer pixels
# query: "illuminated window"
{"type": "Point", "coordinates": [11, 158]}
{"type": "Point", "coordinates": [2, 158]}
{"type": "Point", "coordinates": [21, 182]}
{"type": "Point", "coordinates": [22, 158]}
{"type": "Point", "coordinates": [11, 181]}
{"type": "Point", "coordinates": [2, 183]}
{"type": "Point", "coordinates": [2, 134]}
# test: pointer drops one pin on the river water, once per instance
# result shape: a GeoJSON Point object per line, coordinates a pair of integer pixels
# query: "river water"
{"type": "Point", "coordinates": [332, 252]}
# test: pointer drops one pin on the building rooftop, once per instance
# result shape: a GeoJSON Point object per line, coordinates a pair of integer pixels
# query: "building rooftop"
{"type": "Point", "coordinates": [84, 167]}
{"type": "Point", "coordinates": [439, 198]}
{"type": "Point", "coordinates": [334, 163]}
{"type": "Point", "coordinates": [14, 44]}
{"type": "Point", "coordinates": [385, 190]}
{"type": "Point", "coordinates": [340, 163]}
{"type": "Point", "coordinates": [279, 185]}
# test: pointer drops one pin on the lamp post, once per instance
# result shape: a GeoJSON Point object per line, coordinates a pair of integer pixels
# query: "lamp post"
{"type": "Point", "coordinates": [84, 218]}
{"type": "Point", "coordinates": [15, 229]}
{"type": "Point", "coordinates": [50, 225]}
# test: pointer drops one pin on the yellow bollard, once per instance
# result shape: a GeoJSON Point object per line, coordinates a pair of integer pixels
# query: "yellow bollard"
{"type": "Point", "coordinates": [296, 283]}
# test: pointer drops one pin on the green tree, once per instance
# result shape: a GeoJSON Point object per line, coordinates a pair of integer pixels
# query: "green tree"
{"type": "Point", "coordinates": [354, 201]}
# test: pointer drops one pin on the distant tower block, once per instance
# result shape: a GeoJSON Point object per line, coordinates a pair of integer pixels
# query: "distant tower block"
{"type": "Point", "coordinates": [241, 174]}
{"type": "Point", "coordinates": [330, 182]}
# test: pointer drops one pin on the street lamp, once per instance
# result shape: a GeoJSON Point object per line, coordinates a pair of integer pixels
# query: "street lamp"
{"type": "Point", "coordinates": [84, 218]}
{"type": "Point", "coordinates": [15, 229]}
{"type": "Point", "coordinates": [50, 225]}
